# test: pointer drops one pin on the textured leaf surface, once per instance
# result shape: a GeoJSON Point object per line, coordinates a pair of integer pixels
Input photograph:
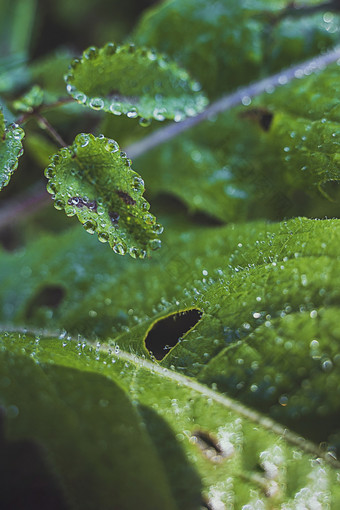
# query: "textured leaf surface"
{"type": "Point", "coordinates": [243, 37]}
{"type": "Point", "coordinates": [251, 282]}
{"type": "Point", "coordinates": [264, 160]}
{"type": "Point", "coordinates": [10, 150]}
{"type": "Point", "coordinates": [93, 180]}
{"type": "Point", "coordinates": [102, 442]}
{"type": "Point", "coordinates": [134, 81]}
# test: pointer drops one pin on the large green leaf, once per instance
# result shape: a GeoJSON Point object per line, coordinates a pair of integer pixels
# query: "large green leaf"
{"type": "Point", "coordinates": [110, 421]}
{"type": "Point", "coordinates": [10, 149]}
{"type": "Point", "coordinates": [267, 159]}
{"type": "Point", "coordinates": [232, 43]}
{"type": "Point", "coordinates": [134, 81]}
{"type": "Point", "coordinates": [93, 180]}
{"type": "Point", "coordinates": [249, 282]}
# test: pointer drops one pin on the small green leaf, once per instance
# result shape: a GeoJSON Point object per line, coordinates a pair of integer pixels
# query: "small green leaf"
{"type": "Point", "coordinates": [29, 101]}
{"type": "Point", "coordinates": [10, 149]}
{"type": "Point", "coordinates": [93, 180]}
{"type": "Point", "coordinates": [135, 82]}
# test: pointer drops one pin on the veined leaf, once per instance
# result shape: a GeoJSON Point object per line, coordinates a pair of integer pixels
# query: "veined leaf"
{"type": "Point", "coordinates": [254, 161]}
{"type": "Point", "coordinates": [246, 38]}
{"type": "Point", "coordinates": [102, 443]}
{"type": "Point", "coordinates": [10, 149]}
{"type": "Point", "coordinates": [93, 180]}
{"type": "Point", "coordinates": [249, 282]}
{"type": "Point", "coordinates": [134, 81]}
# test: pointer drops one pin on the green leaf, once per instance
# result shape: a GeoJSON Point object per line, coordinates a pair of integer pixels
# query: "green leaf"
{"type": "Point", "coordinates": [251, 282]}
{"type": "Point", "coordinates": [29, 101]}
{"type": "Point", "coordinates": [254, 161]}
{"type": "Point", "coordinates": [10, 149]}
{"type": "Point", "coordinates": [134, 81]}
{"type": "Point", "coordinates": [163, 442]}
{"type": "Point", "coordinates": [92, 179]}
{"type": "Point", "coordinates": [246, 39]}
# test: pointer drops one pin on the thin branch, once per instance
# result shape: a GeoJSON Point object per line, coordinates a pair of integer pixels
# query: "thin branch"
{"type": "Point", "coordinates": [167, 133]}
{"type": "Point", "coordinates": [44, 108]}
{"type": "Point", "coordinates": [27, 203]}
{"type": "Point", "coordinates": [44, 124]}
{"type": "Point", "coordinates": [242, 95]}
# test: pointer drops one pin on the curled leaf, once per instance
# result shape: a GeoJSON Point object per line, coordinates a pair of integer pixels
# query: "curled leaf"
{"type": "Point", "coordinates": [93, 180]}
{"type": "Point", "coordinates": [134, 81]}
{"type": "Point", "coordinates": [10, 149]}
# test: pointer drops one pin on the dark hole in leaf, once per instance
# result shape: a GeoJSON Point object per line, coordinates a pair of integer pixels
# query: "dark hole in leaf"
{"type": "Point", "coordinates": [166, 332]}
{"type": "Point", "coordinates": [209, 446]}
{"type": "Point", "coordinates": [259, 115]}
{"type": "Point", "coordinates": [205, 505]}
{"type": "Point", "coordinates": [49, 296]}
{"type": "Point", "coordinates": [26, 479]}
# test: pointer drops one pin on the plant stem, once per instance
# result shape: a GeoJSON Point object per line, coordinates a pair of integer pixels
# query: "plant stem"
{"type": "Point", "coordinates": [44, 124]}
{"type": "Point", "coordinates": [33, 201]}
{"type": "Point", "coordinates": [28, 202]}
{"type": "Point", "coordinates": [235, 98]}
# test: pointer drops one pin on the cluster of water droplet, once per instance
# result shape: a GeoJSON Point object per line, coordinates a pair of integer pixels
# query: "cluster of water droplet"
{"type": "Point", "coordinates": [10, 150]}
{"type": "Point", "coordinates": [162, 90]}
{"type": "Point", "coordinates": [119, 217]}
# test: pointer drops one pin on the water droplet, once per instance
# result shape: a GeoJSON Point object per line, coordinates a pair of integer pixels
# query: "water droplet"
{"type": "Point", "coordinates": [49, 172]}
{"type": "Point", "coordinates": [134, 252]}
{"type": "Point", "coordinates": [157, 228]}
{"type": "Point", "coordinates": [246, 100]}
{"type": "Point", "coordinates": [103, 237]}
{"type": "Point", "coordinates": [82, 139]}
{"type": "Point", "coordinates": [112, 146]}
{"type": "Point", "coordinates": [158, 114]}
{"type": "Point", "coordinates": [59, 204]}
{"type": "Point", "coordinates": [90, 53]}
{"type": "Point", "coordinates": [283, 400]}
{"type": "Point", "coordinates": [90, 226]}
{"type": "Point", "coordinates": [80, 97]}
{"type": "Point", "coordinates": [132, 113]}
{"type": "Point", "coordinates": [17, 132]}
{"type": "Point", "coordinates": [327, 365]}
{"type": "Point", "coordinates": [138, 184]}
{"type": "Point", "coordinates": [144, 122]}
{"type": "Point", "coordinates": [96, 103]}
{"type": "Point", "coordinates": [155, 244]}
{"type": "Point", "coordinates": [149, 219]}
{"type": "Point", "coordinates": [51, 188]}
{"type": "Point", "coordinates": [120, 248]}
{"type": "Point", "coordinates": [116, 108]}
{"type": "Point", "coordinates": [110, 48]}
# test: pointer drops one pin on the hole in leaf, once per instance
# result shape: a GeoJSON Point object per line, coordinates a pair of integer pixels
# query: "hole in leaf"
{"type": "Point", "coordinates": [259, 115]}
{"type": "Point", "coordinates": [205, 505]}
{"type": "Point", "coordinates": [208, 445]}
{"type": "Point", "coordinates": [165, 333]}
{"type": "Point", "coordinates": [49, 296]}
